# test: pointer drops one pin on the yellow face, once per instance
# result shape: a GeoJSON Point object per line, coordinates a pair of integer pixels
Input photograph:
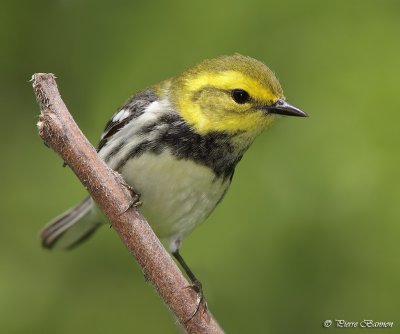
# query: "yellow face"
{"type": "Point", "coordinates": [228, 94]}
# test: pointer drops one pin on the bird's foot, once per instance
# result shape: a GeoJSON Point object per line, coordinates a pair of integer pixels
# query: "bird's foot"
{"type": "Point", "coordinates": [135, 196]}
{"type": "Point", "coordinates": [134, 202]}
{"type": "Point", "coordinates": [197, 287]}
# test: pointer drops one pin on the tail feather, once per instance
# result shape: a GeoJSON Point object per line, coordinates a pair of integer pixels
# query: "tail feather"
{"type": "Point", "coordinates": [72, 227]}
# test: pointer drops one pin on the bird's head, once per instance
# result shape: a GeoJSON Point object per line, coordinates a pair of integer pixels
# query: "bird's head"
{"type": "Point", "coordinates": [232, 94]}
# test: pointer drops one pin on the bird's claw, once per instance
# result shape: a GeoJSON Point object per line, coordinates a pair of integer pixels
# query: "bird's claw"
{"type": "Point", "coordinates": [135, 196]}
{"type": "Point", "coordinates": [134, 203]}
{"type": "Point", "coordinates": [200, 301]}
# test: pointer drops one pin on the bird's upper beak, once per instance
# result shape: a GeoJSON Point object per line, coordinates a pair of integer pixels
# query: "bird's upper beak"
{"type": "Point", "coordinates": [281, 107]}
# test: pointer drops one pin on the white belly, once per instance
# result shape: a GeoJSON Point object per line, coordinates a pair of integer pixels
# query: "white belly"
{"type": "Point", "coordinates": [176, 194]}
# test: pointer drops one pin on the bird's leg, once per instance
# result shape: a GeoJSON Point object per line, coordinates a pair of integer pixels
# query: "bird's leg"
{"type": "Point", "coordinates": [196, 285]}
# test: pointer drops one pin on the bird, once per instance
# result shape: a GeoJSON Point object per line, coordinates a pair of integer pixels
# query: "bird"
{"type": "Point", "coordinates": [177, 144]}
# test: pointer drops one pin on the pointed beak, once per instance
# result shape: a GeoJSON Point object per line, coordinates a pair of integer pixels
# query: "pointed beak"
{"type": "Point", "coordinates": [281, 107]}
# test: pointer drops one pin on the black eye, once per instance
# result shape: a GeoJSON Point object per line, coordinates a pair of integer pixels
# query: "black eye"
{"type": "Point", "coordinates": [240, 96]}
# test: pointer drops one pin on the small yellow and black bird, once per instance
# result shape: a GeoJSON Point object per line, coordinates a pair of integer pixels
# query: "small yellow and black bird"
{"type": "Point", "coordinates": [177, 144]}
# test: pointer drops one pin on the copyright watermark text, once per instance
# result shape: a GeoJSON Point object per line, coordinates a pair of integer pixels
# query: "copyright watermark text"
{"type": "Point", "coordinates": [357, 324]}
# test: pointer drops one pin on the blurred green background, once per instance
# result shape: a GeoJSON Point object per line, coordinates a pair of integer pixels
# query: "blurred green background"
{"type": "Point", "coordinates": [310, 229]}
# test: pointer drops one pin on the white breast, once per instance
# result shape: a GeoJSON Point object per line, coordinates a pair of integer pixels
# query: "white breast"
{"type": "Point", "coordinates": [176, 194]}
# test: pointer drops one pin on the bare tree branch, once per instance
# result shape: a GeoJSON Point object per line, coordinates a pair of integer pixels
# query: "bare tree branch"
{"type": "Point", "coordinates": [59, 131]}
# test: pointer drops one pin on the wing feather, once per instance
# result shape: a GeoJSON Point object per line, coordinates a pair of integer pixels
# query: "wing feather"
{"type": "Point", "coordinates": [135, 107]}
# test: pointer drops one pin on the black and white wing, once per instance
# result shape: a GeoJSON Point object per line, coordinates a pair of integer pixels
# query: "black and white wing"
{"type": "Point", "coordinates": [135, 107]}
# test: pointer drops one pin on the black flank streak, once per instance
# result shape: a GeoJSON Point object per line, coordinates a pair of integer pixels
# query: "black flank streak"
{"type": "Point", "coordinates": [116, 149]}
